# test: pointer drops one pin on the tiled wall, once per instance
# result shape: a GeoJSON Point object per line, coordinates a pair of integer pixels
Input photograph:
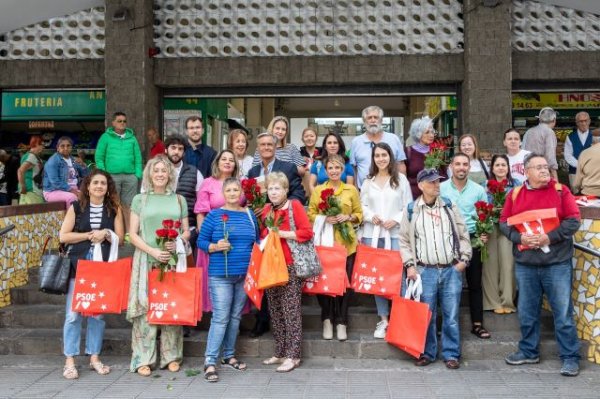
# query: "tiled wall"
{"type": "Point", "coordinates": [586, 284]}
{"type": "Point", "coordinates": [21, 248]}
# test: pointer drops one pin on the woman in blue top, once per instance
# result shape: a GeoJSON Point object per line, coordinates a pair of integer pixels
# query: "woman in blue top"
{"type": "Point", "coordinates": [332, 144]}
{"type": "Point", "coordinates": [498, 281]}
{"type": "Point", "coordinates": [227, 235]}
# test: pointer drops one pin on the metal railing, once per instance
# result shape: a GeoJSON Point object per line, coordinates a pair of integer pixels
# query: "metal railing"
{"type": "Point", "coordinates": [6, 229]}
{"type": "Point", "coordinates": [587, 250]}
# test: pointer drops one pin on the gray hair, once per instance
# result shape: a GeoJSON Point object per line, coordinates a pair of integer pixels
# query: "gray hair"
{"type": "Point", "coordinates": [147, 184]}
{"type": "Point", "coordinates": [531, 156]}
{"type": "Point", "coordinates": [547, 115]}
{"type": "Point", "coordinates": [231, 180]}
{"type": "Point", "coordinates": [372, 108]}
{"type": "Point", "coordinates": [419, 126]}
{"type": "Point", "coordinates": [267, 134]}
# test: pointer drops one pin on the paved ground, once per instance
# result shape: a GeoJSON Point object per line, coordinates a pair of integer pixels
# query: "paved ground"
{"type": "Point", "coordinates": [31, 377]}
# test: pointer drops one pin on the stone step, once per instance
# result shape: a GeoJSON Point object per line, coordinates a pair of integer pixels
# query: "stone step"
{"type": "Point", "coordinates": [117, 342]}
{"type": "Point", "coordinates": [360, 319]}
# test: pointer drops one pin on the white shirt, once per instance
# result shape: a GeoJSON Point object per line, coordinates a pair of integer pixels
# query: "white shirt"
{"type": "Point", "coordinates": [569, 157]}
{"type": "Point", "coordinates": [387, 203]}
{"type": "Point", "coordinates": [517, 165]}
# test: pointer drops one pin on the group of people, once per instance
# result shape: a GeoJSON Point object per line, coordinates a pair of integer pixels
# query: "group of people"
{"type": "Point", "coordinates": [385, 194]}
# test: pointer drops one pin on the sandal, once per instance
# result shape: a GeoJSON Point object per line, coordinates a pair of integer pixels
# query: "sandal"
{"type": "Point", "coordinates": [70, 372]}
{"type": "Point", "coordinates": [287, 366]}
{"type": "Point", "coordinates": [100, 368]}
{"type": "Point", "coordinates": [273, 360]}
{"type": "Point", "coordinates": [173, 367]}
{"type": "Point", "coordinates": [480, 332]}
{"type": "Point", "coordinates": [234, 364]}
{"type": "Point", "coordinates": [144, 371]}
{"type": "Point", "coordinates": [211, 376]}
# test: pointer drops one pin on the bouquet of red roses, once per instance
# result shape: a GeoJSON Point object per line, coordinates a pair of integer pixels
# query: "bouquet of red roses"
{"type": "Point", "coordinates": [330, 206]}
{"type": "Point", "coordinates": [497, 190]}
{"type": "Point", "coordinates": [436, 157]}
{"type": "Point", "coordinates": [254, 197]}
{"type": "Point", "coordinates": [168, 233]}
{"type": "Point", "coordinates": [484, 224]}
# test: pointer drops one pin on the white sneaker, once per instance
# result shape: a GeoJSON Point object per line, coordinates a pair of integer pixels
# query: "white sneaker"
{"type": "Point", "coordinates": [381, 329]}
{"type": "Point", "coordinates": [327, 329]}
{"type": "Point", "coordinates": [341, 332]}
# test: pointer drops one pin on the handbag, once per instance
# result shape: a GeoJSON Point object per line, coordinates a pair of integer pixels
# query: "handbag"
{"type": "Point", "coordinates": [176, 299]}
{"type": "Point", "coordinates": [306, 261]}
{"type": "Point", "coordinates": [54, 271]}
{"type": "Point", "coordinates": [273, 270]}
{"type": "Point", "coordinates": [333, 279]}
{"type": "Point", "coordinates": [409, 320]}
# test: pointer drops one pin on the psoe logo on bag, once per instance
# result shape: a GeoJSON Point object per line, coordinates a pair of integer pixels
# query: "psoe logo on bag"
{"type": "Point", "coordinates": [365, 282]}
{"type": "Point", "coordinates": [83, 300]}
{"type": "Point", "coordinates": [159, 309]}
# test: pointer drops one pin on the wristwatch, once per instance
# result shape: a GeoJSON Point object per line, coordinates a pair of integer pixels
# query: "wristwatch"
{"type": "Point", "coordinates": [408, 265]}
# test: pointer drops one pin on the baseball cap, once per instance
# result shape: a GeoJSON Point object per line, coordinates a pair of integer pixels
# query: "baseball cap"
{"type": "Point", "coordinates": [428, 175]}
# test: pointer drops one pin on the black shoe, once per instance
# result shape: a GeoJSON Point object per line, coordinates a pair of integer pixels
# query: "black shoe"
{"type": "Point", "coordinates": [187, 331]}
{"type": "Point", "coordinates": [259, 329]}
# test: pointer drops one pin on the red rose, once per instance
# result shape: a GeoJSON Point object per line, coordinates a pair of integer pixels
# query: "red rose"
{"type": "Point", "coordinates": [172, 234]}
{"type": "Point", "coordinates": [177, 224]}
{"type": "Point", "coordinates": [480, 204]}
{"type": "Point", "coordinates": [161, 233]}
{"type": "Point", "coordinates": [328, 192]}
{"type": "Point", "coordinates": [168, 223]}
{"type": "Point", "coordinates": [322, 206]}
{"type": "Point", "coordinates": [224, 218]}
{"type": "Point", "coordinates": [250, 197]}
{"type": "Point", "coordinates": [482, 217]}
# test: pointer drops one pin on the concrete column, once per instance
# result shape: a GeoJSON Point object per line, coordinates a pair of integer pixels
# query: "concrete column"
{"type": "Point", "coordinates": [486, 91]}
{"type": "Point", "coordinates": [128, 69]}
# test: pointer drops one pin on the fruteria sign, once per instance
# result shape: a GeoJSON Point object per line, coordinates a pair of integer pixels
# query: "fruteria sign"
{"type": "Point", "coordinates": [556, 100]}
{"type": "Point", "coordinates": [53, 105]}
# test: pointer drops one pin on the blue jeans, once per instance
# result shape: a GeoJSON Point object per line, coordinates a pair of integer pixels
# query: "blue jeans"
{"type": "Point", "coordinates": [445, 285]}
{"type": "Point", "coordinates": [228, 299]}
{"type": "Point", "coordinates": [555, 281]}
{"type": "Point", "coordinates": [382, 303]}
{"type": "Point", "coordinates": [72, 329]}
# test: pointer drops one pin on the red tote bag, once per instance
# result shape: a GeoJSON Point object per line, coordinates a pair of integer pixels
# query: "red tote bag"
{"type": "Point", "coordinates": [409, 322]}
{"type": "Point", "coordinates": [377, 271]}
{"type": "Point", "coordinates": [333, 279]}
{"type": "Point", "coordinates": [101, 287]}
{"type": "Point", "coordinates": [174, 301]}
{"type": "Point", "coordinates": [251, 282]}
{"type": "Point", "coordinates": [539, 221]}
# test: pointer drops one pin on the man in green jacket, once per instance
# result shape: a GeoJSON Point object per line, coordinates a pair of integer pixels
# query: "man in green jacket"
{"type": "Point", "coordinates": [118, 153]}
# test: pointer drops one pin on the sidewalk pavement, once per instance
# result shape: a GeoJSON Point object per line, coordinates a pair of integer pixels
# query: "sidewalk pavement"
{"type": "Point", "coordinates": [34, 377]}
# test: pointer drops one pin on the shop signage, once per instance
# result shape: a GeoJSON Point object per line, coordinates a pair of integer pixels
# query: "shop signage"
{"type": "Point", "coordinates": [56, 105]}
{"type": "Point", "coordinates": [41, 124]}
{"type": "Point", "coordinates": [556, 100]}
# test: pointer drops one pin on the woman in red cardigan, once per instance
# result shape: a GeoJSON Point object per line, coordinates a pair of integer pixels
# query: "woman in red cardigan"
{"type": "Point", "coordinates": [285, 301]}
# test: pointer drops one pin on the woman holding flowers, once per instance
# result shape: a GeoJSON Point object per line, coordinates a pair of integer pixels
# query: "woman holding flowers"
{"type": "Point", "coordinates": [156, 208]}
{"type": "Point", "coordinates": [498, 278]}
{"type": "Point", "coordinates": [424, 154]}
{"type": "Point", "coordinates": [89, 221]}
{"type": "Point", "coordinates": [333, 144]}
{"type": "Point", "coordinates": [340, 203]}
{"type": "Point", "coordinates": [285, 301]}
{"type": "Point", "coordinates": [384, 195]}
{"type": "Point", "coordinates": [209, 197]}
{"type": "Point", "coordinates": [227, 235]}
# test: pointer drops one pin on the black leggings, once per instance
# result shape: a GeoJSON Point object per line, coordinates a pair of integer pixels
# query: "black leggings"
{"type": "Point", "coordinates": [473, 274]}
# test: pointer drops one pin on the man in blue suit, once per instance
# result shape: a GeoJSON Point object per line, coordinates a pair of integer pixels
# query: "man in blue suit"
{"type": "Point", "coordinates": [268, 163]}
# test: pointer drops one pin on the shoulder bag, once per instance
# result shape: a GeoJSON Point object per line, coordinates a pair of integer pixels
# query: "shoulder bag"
{"type": "Point", "coordinates": [306, 261]}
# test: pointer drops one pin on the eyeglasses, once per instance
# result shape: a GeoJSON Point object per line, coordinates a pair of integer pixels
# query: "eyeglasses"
{"type": "Point", "coordinates": [539, 167]}
{"type": "Point", "coordinates": [582, 121]}
{"type": "Point", "coordinates": [121, 120]}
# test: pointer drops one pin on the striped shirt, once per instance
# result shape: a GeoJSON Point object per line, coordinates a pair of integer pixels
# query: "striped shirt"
{"type": "Point", "coordinates": [433, 234]}
{"type": "Point", "coordinates": [290, 153]}
{"type": "Point", "coordinates": [95, 216]}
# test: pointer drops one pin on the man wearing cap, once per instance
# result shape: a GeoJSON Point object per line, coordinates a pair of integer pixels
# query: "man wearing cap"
{"type": "Point", "coordinates": [434, 244]}
{"type": "Point", "coordinates": [587, 178]}
{"type": "Point", "coordinates": [541, 139]}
